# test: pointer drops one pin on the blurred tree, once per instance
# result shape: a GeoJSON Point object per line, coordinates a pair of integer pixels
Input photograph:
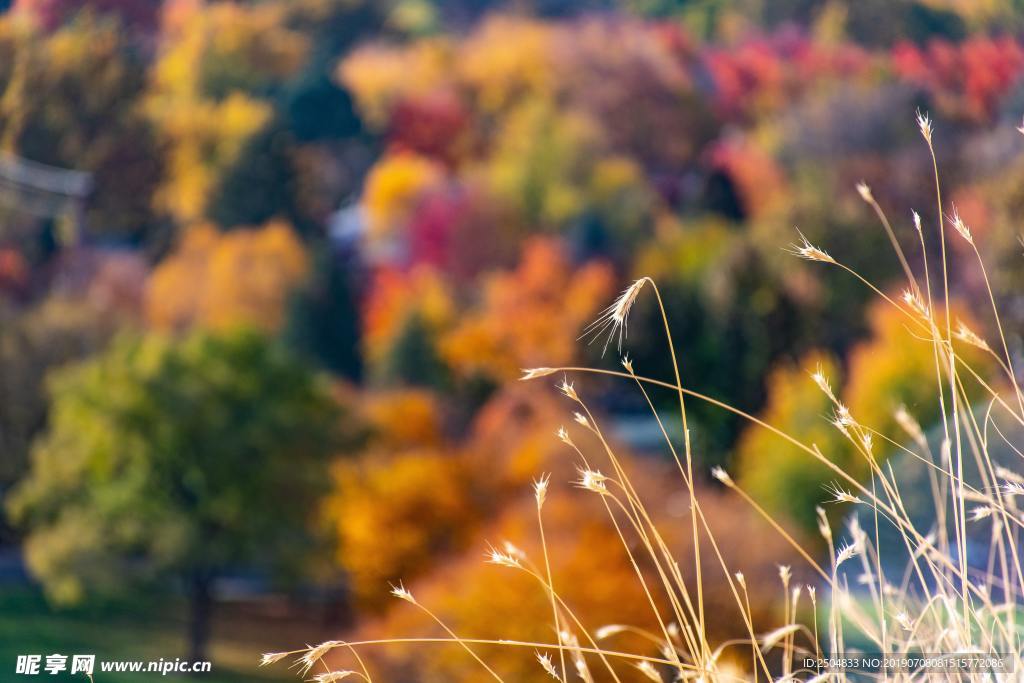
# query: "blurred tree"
{"type": "Point", "coordinates": [734, 311]}
{"type": "Point", "coordinates": [211, 93]}
{"type": "Point", "coordinates": [323, 319]}
{"type": "Point", "coordinates": [967, 79]}
{"type": "Point", "coordinates": [413, 358]}
{"type": "Point", "coordinates": [139, 14]}
{"type": "Point", "coordinates": [219, 280]}
{"type": "Point", "coordinates": [393, 190]}
{"type": "Point", "coordinates": [530, 316]}
{"type": "Point", "coordinates": [160, 459]}
{"type": "Point", "coordinates": [259, 185]}
{"type": "Point", "coordinates": [421, 500]}
{"type": "Point", "coordinates": [52, 333]}
{"type": "Point", "coordinates": [402, 316]}
{"type": "Point", "coordinates": [779, 476]}
{"type": "Point", "coordinates": [71, 100]}
{"type": "Point", "coordinates": [893, 368]}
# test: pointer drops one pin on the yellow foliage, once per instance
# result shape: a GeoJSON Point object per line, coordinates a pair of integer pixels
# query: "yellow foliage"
{"type": "Point", "coordinates": [529, 316]}
{"type": "Point", "coordinates": [253, 39]}
{"type": "Point", "coordinates": [403, 418]}
{"type": "Point", "coordinates": [380, 76]}
{"type": "Point", "coordinates": [206, 139]}
{"type": "Point", "coordinates": [894, 367]}
{"type": "Point", "coordinates": [394, 513]}
{"type": "Point", "coordinates": [777, 474]}
{"type": "Point", "coordinates": [218, 280]}
{"type": "Point", "coordinates": [543, 160]}
{"type": "Point", "coordinates": [393, 188]}
{"type": "Point", "coordinates": [506, 58]}
{"type": "Point", "coordinates": [202, 101]}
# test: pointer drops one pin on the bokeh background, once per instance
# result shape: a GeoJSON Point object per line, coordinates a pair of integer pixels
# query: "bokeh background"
{"type": "Point", "coordinates": [269, 271]}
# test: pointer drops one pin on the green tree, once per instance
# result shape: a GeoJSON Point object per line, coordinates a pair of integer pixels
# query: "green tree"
{"type": "Point", "coordinates": [182, 458]}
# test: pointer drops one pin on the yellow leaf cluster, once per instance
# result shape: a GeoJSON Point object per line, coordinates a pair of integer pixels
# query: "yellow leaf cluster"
{"type": "Point", "coordinates": [380, 76]}
{"type": "Point", "coordinates": [218, 280]}
{"type": "Point", "coordinates": [393, 188]}
{"type": "Point", "coordinates": [202, 100]}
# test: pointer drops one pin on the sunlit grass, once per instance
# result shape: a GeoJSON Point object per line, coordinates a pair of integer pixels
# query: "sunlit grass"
{"type": "Point", "coordinates": [939, 604]}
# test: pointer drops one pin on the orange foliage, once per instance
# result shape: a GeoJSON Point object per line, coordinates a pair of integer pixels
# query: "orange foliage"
{"type": "Point", "coordinates": [403, 418]}
{"type": "Point", "coordinates": [759, 179]}
{"type": "Point", "coordinates": [591, 572]}
{"type": "Point", "coordinates": [218, 280]}
{"type": "Point", "coordinates": [529, 316]}
{"type": "Point", "coordinates": [394, 513]}
{"type": "Point", "coordinates": [397, 295]}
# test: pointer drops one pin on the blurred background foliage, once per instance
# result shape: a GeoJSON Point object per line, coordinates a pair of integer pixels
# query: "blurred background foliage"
{"type": "Point", "coordinates": [320, 238]}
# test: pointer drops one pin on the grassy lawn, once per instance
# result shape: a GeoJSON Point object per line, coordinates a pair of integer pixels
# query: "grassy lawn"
{"type": "Point", "coordinates": [144, 632]}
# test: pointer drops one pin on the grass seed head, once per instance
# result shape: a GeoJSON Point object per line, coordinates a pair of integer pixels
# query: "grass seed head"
{"type": "Point", "coordinates": [824, 528]}
{"type": "Point", "coordinates": [721, 475]}
{"type": "Point", "coordinates": [332, 676]}
{"type": "Point", "coordinates": [272, 657]}
{"type": "Point", "coordinates": [924, 124]}
{"type": "Point", "coordinates": [540, 489]}
{"type": "Point", "coordinates": [968, 336]}
{"type": "Point", "coordinates": [981, 512]}
{"type": "Point", "coordinates": [314, 654]}
{"type": "Point", "coordinates": [614, 320]}
{"type": "Point", "coordinates": [865, 192]}
{"type": "Point", "coordinates": [502, 559]}
{"type": "Point", "coordinates": [401, 593]}
{"type": "Point", "coordinates": [567, 388]}
{"type": "Point", "coordinates": [808, 251]}
{"type": "Point", "coordinates": [534, 373]}
{"type": "Point", "coordinates": [648, 670]}
{"type": "Point", "coordinates": [911, 426]}
{"type": "Point", "coordinates": [592, 480]}
{"type": "Point", "coordinates": [845, 553]}
{"type": "Point", "coordinates": [548, 665]}
{"type": "Point", "coordinates": [961, 227]}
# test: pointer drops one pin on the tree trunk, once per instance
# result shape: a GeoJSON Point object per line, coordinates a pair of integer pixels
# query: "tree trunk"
{"type": "Point", "coordinates": [199, 619]}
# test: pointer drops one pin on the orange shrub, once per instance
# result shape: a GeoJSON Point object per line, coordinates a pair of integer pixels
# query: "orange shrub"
{"type": "Point", "coordinates": [217, 280]}
{"type": "Point", "coordinates": [528, 316]}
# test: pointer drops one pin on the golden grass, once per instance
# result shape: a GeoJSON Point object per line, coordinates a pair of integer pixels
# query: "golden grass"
{"type": "Point", "coordinates": [937, 604]}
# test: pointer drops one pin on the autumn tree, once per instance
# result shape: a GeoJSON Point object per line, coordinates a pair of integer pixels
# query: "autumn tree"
{"type": "Point", "coordinates": [70, 99]}
{"type": "Point", "coordinates": [219, 280]}
{"type": "Point", "coordinates": [140, 14]}
{"type": "Point", "coordinates": [56, 331]}
{"type": "Point", "coordinates": [210, 94]}
{"type": "Point", "coordinates": [164, 458]}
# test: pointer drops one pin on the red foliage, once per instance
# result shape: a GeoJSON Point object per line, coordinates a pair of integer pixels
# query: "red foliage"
{"type": "Point", "coordinates": [13, 273]}
{"type": "Point", "coordinates": [452, 230]}
{"type": "Point", "coordinates": [967, 79]}
{"type": "Point", "coordinates": [431, 125]}
{"type": "Point", "coordinates": [771, 70]}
